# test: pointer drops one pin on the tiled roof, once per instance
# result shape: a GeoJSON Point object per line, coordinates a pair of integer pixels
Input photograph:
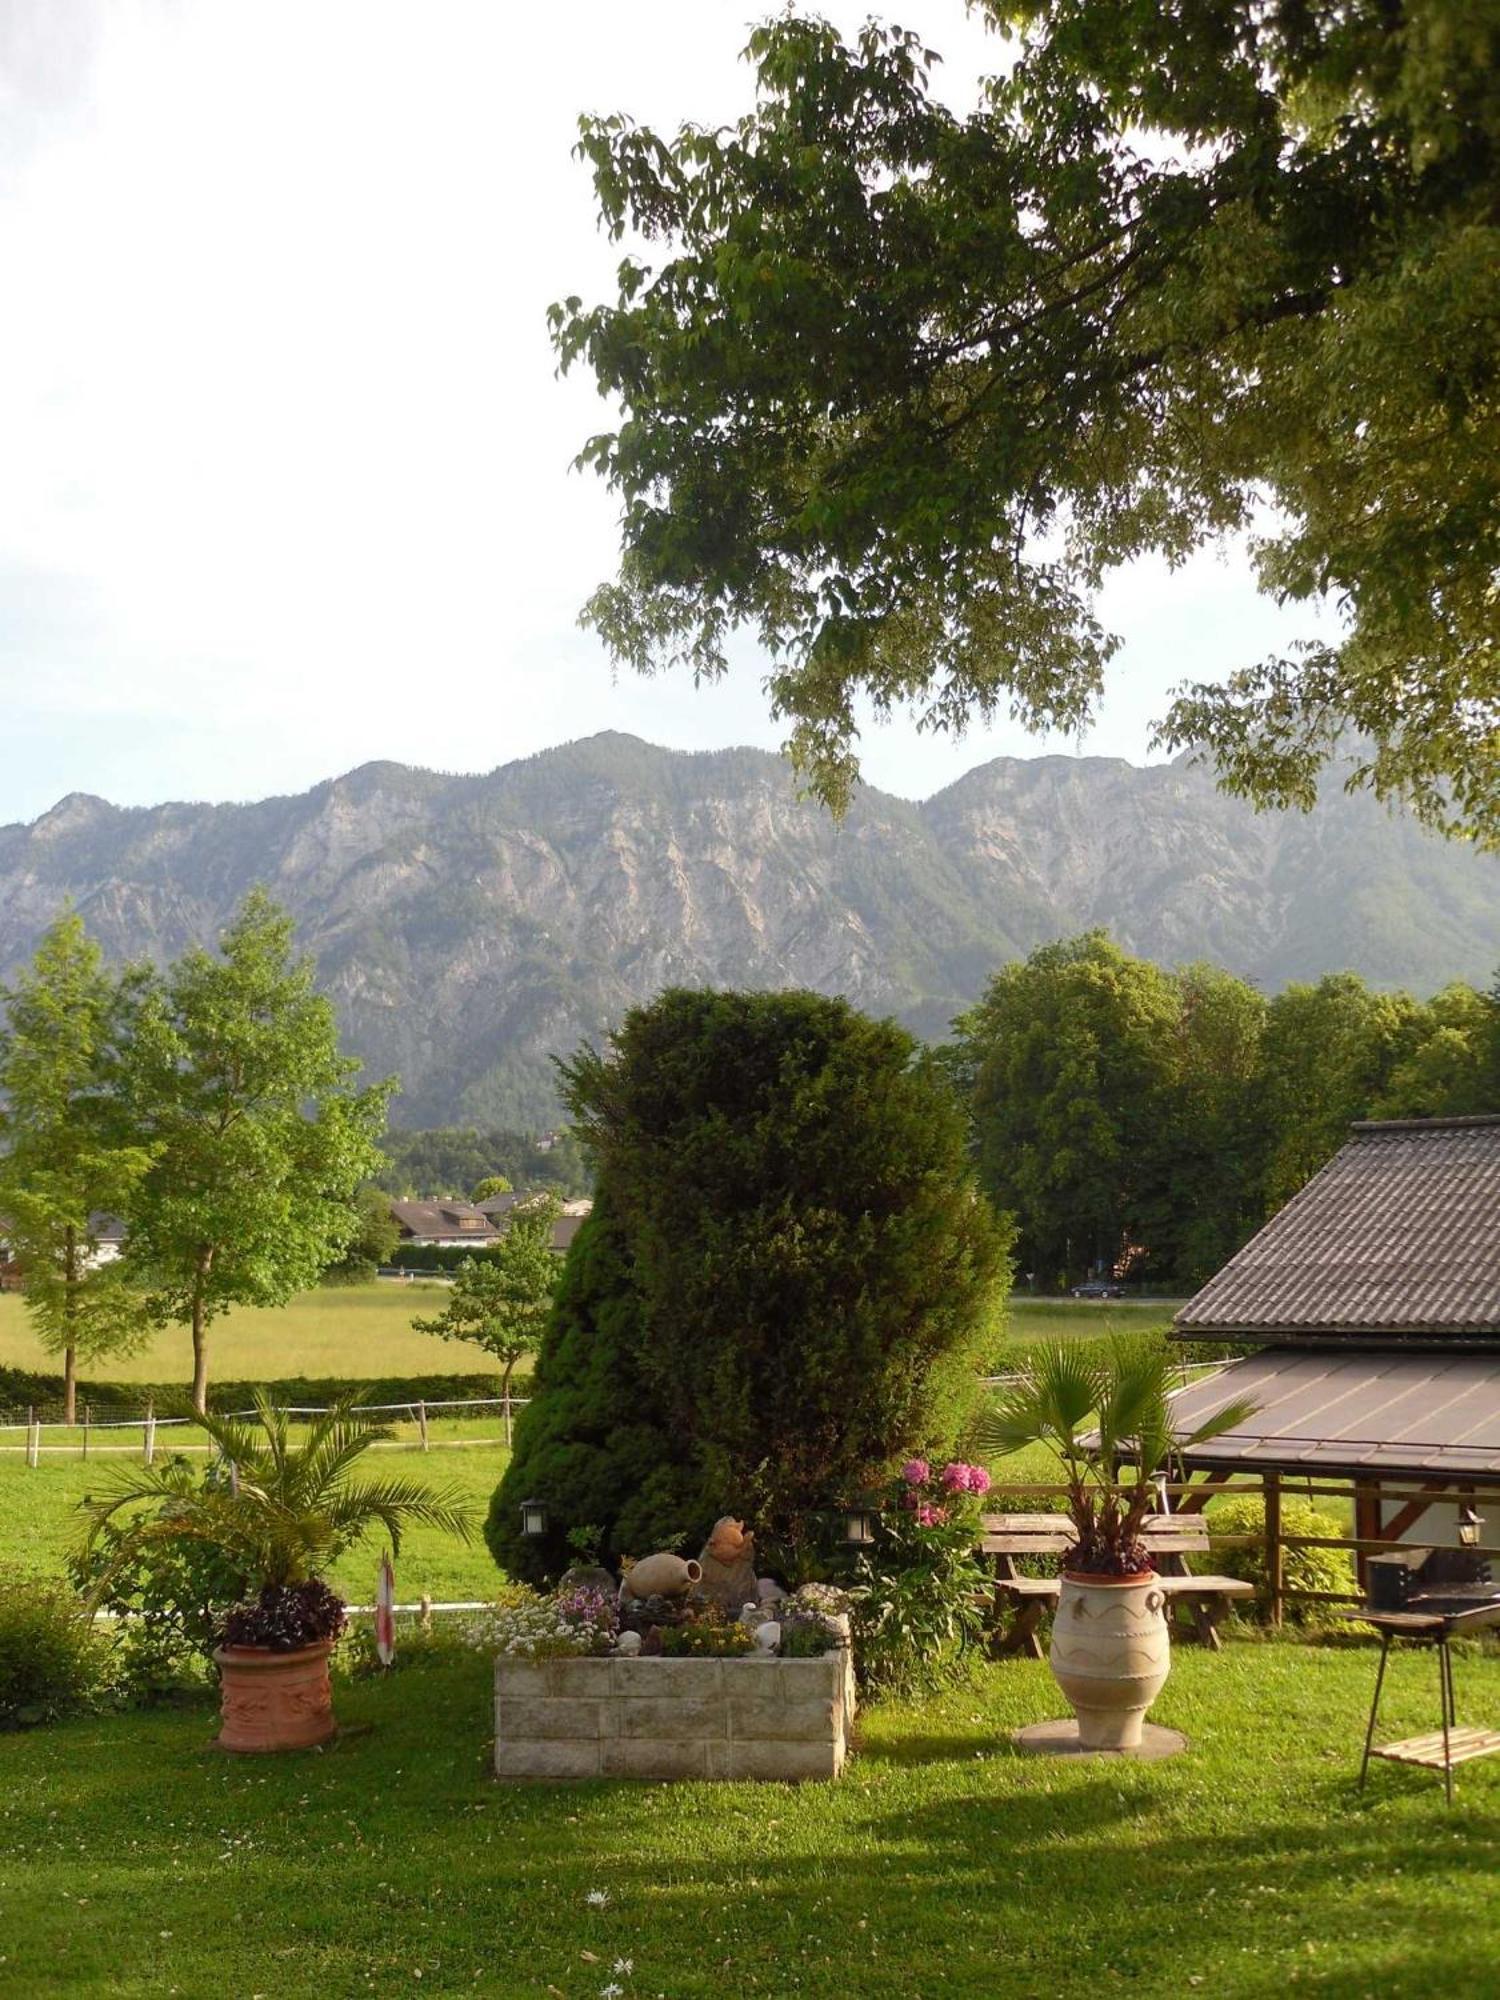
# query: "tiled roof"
{"type": "Point", "coordinates": [442, 1218]}
{"type": "Point", "coordinates": [1399, 1234]}
{"type": "Point", "coordinates": [1409, 1413]}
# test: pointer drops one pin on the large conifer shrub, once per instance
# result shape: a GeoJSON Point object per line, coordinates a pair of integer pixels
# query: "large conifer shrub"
{"type": "Point", "coordinates": [788, 1282]}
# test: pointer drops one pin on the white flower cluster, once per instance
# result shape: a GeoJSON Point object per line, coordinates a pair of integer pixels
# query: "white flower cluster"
{"type": "Point", "coordinates": [528, 1632]}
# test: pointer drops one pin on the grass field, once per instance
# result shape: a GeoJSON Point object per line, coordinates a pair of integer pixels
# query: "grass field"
{"type": "Point", "coordinates": [340, 1330]}
{"type": "Point", "coordinates": [133, 1861]}
{"type": "Point", "coordinates": [41, 1520]}
{"type": "Point", "coordinates": [365, 1331]}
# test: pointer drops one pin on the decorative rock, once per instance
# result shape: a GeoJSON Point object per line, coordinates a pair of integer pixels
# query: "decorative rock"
{"type": "Point", "coordinates": [628, 1645]}
{"type": "Point", "coordinates": [769, 1590]}
{"type": "Point", "coordinates": [768, 1636]}
{"type": "Point", "coordinates": [727, 1565]}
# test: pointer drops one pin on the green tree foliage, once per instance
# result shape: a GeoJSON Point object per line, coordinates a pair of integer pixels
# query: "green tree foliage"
{"type": "Point", "coordinates": [490, 1186]}
{"type": "Point", "coordinates": [1070, 1056]}
{"type": "Point", "coordinates": [900, 387]}
{"type": "Point", "coordinates": [450, 1160]}
{"type": "Point", "coordinates": [374, 1241]}
{"type": "Point", "coordinates": [501, 1301]}
{"type": "Point", "coordinates": [68, 1162]}
{"type": "Point", "coordinates": [1142, 1119]}
{"type": "Point", "coordinates": [258, 1135]}
{"type": "Point", "coordinates": [788, 1280]}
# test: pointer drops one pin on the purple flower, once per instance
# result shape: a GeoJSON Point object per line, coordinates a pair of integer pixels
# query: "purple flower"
{"type": "Point", "coordinates": [916, 1472]}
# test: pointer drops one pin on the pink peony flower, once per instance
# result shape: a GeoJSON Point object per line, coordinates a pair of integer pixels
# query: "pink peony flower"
{"type": "Point", "coordinates": [929, 1516]}
{"type": "Point", "coordinates": [916, 1472]}
{"type": "Point", "coordinates": [956, 1477]}
{"type": "Point", "coordinates": [979, 1479]}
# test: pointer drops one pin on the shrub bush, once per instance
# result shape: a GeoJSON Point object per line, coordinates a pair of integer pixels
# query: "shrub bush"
{"type": "Point", "coordinates": [791, 1279]}
{"type": "Point", "coordinates": [51, 1662]}
{"type": "Point", "coordinates": [1301, 1569]}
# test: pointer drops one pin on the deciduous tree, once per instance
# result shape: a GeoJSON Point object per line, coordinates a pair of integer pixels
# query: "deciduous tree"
{"type": "Point", "coordinates": [259, 1137]}
{"type": "Point", "coordinates": [501, 1299]}
{"type": "Point", "coordinates": [68, 1161]}
{"type": "Point", "coordinates": [900, 387]}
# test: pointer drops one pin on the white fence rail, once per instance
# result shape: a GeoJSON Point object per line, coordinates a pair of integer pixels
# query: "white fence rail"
{"type": "Point", "coordinates": [93, 1436]}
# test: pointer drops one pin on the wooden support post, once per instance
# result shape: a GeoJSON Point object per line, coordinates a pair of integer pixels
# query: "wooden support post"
{"type": "Point", "coordinates": [1409, 1515]}
{"type": "Point", "coordinates": [1274, 1577]}
{"type": "Point", "coordinates": [1367, 1527]}
{"type": "Point", "coordinates": [422, 1423]}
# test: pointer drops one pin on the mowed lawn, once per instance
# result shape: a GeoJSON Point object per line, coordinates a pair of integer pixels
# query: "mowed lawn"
{"type": "Point", "coordinates": [42, 1519]}
{"type": "Point", "coordinates": [338, 1330]}
{"type": "Point", "coordinates": [135, 1861]}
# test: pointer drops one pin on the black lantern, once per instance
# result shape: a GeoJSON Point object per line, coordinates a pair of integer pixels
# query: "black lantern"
{"type": "Point", "coordinates": [533, 1517]}
{"type": "Point", "coordinates": [860, 1523]}
{"type": "Point", "coordinates": [1470, 1522]}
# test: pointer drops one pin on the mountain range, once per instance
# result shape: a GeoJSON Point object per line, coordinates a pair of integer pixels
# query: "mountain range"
{"type": "Point", "coordinates": [468, 927]}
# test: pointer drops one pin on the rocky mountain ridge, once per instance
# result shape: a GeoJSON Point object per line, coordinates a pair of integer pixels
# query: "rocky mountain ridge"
{"type": "Point", "coordinates": [470, 927]}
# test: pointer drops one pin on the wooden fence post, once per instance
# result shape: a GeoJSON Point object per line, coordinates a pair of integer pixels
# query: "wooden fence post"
{"type": "Point", "coordinates": [1274, 1566]}
{"type": "Point", "coordinates": [148, 1441]}
{"type": "Point", "coordinates": [422, 1423]}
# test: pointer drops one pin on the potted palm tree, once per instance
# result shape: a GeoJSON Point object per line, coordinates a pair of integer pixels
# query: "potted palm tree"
{"type": "Point", "coordinates": [283, 1517]}
{"type": "Point", "coordinates": [1106, 1413]}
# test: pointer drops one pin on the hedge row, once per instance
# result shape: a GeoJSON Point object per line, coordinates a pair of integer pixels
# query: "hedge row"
{"type": "Point", "coordinates": [435, 1256]}
{"type": "Point", "coordinates": [21, 1389]}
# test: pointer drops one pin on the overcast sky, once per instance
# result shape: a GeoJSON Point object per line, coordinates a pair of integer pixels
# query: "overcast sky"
{"type": "Point", "coordinates": [284, 466]}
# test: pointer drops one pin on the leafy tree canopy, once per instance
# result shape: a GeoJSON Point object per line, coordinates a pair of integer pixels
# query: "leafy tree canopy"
{"type": "Point", "coordinates": [902, 386]}
{"type": "Point", "coordinates": [501, 1300]}
{"type": "Point", "coordinates": [67, 1160]}
{"type": "Point", "coordinates": [259, 1137]}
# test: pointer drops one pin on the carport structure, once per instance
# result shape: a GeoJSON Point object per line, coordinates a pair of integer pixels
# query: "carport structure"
{"type": "Point", "coordinates": [1372, 1304]}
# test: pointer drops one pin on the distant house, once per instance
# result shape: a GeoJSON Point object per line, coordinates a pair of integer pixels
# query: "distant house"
{"type": "Point", "coordinates": [498, 1208]}
{"type": "Point", "coordinates": [106, 1232]}
{"type": "Point", "coordinates": [442, 1225]}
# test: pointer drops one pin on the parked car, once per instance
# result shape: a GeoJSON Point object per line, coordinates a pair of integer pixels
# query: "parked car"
{"type": "Point", "coordinates": [1098, 1288]}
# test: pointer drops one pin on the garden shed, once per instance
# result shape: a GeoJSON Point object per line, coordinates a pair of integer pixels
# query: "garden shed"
{"type": "Point", "coordinates": [1372, 1304]}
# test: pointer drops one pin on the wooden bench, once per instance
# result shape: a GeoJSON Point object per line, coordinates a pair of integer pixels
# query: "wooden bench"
{"type": "Point", "coordinates": [1172, 1538]}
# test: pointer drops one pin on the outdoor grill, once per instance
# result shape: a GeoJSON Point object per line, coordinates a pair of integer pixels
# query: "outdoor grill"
{"type": "Point", "coordinates": [1429, 1595]}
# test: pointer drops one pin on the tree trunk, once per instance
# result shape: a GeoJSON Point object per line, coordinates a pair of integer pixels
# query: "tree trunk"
{"type": "Point", "coordinates": [70, 1313]}
{"type": "Point", "coordinates": [200, 1330]}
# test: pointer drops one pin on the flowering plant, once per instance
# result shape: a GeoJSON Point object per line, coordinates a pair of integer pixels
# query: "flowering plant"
{"type": "Point", "coordinates": [572, 1625]}
{"type": "Point", "coordinates": [917, 1595]}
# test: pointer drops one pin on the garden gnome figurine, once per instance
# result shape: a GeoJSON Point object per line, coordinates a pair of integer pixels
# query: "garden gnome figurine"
{"type": "Point", "coordinates": [728, 1565]}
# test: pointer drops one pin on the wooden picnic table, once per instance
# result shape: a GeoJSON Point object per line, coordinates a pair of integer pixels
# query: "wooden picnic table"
{"type": "Point", "coordinates": [1172, 1538]}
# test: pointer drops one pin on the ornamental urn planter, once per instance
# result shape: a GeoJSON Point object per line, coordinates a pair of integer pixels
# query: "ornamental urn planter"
{"type": "Point", "coordinates": [1111, 1654]}
{"type": "Point", "coordinates": [274, 1701]}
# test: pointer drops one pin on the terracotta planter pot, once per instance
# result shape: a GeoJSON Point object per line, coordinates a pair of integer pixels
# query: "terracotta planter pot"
{"type": "Point", "coordinates": [274, 1701]}
{"type": "Point", "coordinates": [1111, 1653]}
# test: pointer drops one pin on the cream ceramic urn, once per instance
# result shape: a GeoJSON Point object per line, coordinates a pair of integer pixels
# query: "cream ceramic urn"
{"type": "Point", "coordinates": [1111, 1653]}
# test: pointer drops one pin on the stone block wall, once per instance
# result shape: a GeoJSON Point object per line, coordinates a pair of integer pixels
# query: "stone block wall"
{"type": "Point", "coordinates": [661, 1718]}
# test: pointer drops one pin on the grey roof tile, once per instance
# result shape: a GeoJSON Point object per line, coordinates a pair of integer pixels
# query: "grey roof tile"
{"type": "Point", "coordinates": [1399, 1234]}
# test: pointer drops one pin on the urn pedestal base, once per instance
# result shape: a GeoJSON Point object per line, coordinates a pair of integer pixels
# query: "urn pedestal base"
{"type": "Point", "coordinates": [1061, 1739]}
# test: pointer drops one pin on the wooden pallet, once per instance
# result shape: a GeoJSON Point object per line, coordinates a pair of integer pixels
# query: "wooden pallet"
{"type": "Point", "coordinates": [1463, 1743]}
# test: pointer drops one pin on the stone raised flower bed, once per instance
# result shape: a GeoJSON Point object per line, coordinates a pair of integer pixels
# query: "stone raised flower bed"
{"type": "Point", "coordinates": [673, 1718]}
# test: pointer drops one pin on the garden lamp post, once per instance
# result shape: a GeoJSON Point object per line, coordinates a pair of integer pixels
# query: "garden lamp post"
{"type": "Point", "coordinates": [1470, 1521]}
{"type": "Point", "coordinates": [533, 1518]}
{"type": "Point", "coordinates": [860, 1523]}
